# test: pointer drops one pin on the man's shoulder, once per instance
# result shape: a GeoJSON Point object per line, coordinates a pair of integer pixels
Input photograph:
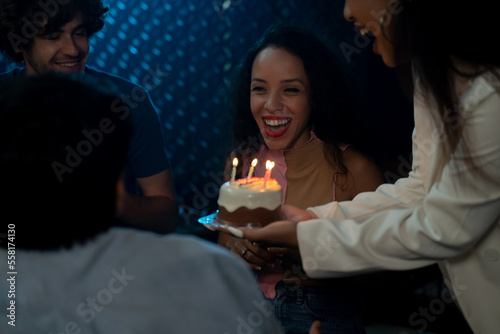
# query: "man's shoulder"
{"type": "Point", "coordinates": [187, 241]}
{"type": "Point", "coordinates": [191, 247]}
{"type": "Point", "coordinates": [118, 81]}
{"type": "Point", "coordinates": [188, 249]}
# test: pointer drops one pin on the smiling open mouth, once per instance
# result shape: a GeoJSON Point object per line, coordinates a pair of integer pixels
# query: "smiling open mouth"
{"type": "Point", "coordinates": [276, 127]}
{"type": "Point", "coordinates": [69, 65]}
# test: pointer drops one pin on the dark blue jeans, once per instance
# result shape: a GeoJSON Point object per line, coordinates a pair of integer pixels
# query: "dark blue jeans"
{"type": "Point", "coordinates": [338, 308]}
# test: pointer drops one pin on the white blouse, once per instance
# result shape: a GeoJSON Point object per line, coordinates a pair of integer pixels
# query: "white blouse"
{"type": "Point", "coordinates": [442, 212]}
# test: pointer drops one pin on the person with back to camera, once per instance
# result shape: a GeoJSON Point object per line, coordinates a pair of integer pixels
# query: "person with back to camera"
{"type": "Point", "coordinates": [289, 90]}
{"type": "Point", "coordinates": [54, 36]}
{"type": "Point", "coordinates": [74, 271]}
{"type": "Point", "coordinates": [448, 209]}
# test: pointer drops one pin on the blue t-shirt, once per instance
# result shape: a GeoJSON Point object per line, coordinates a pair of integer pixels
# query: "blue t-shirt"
{"type": "Point", "coordinates": [147, 155]}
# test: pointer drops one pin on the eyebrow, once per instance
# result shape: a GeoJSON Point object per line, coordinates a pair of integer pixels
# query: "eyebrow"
{"type": "Point", "coordinates": [46, 32]}
{"type": "Point", "coordinates": [282, 81]}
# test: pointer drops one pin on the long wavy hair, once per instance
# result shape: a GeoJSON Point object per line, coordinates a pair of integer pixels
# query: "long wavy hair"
{"type": "Point", "coordinates": [439, 35]}
{"type": "Point", "coordinates": [330, 99]}
{"type": "Point", "coordinates": [21, 20]}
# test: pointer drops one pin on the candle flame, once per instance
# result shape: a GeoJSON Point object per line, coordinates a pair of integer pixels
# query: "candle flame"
{"type": "Point", "coordinates": [269, 165]}
{"type": "Point", "coordinates": [235, 162]}
{"type": "Point", "coordinates": [250, 172]}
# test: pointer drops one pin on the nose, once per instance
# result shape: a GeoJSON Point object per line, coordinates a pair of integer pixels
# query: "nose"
{"type": "Point", "coordinates": [347, 12]}
{"type": "Point", "coordinates": [69, 47]}
{"type": "Point", "coordinates": [274, 103]}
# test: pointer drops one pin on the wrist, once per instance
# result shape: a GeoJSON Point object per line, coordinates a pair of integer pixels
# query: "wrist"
{"type": "Point", "coordinates": [311, 214]}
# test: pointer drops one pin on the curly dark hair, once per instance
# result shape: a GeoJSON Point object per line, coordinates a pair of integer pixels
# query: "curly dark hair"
{"type": "Point", "coordinates": [21, 20]}
{"type": "Point", "coordinates": [330, 100]}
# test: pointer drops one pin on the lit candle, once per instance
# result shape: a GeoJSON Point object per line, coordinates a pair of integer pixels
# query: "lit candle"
{"type": "Point", "coordinates": [269, 166]}
{"type": "Point", "coordinates": [250, 172]}
{"type": "Point", "coordinates": [233, 173]}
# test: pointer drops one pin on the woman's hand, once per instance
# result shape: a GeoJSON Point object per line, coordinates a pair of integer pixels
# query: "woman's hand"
{"type": "Point", "coordinates": [281, 233]}
{"type": "Point", "coordinates": [292, 253]}
{"type": "Point", "coordinates": [315, 328]}
{"type": "Point", "coordinates": [256, 256]}
{"type": "Point", "coordinates": [289, 212]}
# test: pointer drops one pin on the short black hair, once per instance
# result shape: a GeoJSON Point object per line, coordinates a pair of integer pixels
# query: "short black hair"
{"type": "Point", "coordinates": [62, 150]}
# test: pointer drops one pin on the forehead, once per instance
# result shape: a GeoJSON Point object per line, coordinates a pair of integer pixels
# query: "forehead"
{"type": "Point", "coordinates": [367, 7]}
{"type": "Point", "coordinates": [278, 59]}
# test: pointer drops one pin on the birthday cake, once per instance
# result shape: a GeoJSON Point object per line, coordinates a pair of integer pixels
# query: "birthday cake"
{"type": "Point", "coordinates": [250, 200]}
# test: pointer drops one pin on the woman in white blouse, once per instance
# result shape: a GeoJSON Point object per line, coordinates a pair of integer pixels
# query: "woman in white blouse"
{"type": "Point", "coordinates": [448, 209]}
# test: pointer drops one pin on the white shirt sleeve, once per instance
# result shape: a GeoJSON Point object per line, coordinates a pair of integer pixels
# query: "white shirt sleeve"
{"type": "Point", "coordinates": [410, 224]}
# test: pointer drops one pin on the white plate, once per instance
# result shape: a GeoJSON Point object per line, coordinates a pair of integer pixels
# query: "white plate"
{"type": "Point", "coordinates": [211, 221]}
{"type": "Point", "coordinates": [215, 224]}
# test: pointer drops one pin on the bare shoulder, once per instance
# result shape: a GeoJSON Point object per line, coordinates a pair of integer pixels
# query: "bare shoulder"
{"type": "Point", "coordinates": [357, 161]}
{"type": "Point", "coordinates": [363, 172]}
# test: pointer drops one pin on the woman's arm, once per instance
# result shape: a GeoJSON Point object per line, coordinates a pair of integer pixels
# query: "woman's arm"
{"type": "Point", "coordinates": [403, 226]}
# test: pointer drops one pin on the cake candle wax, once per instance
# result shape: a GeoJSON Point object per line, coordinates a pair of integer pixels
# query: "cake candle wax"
{"type": "Point", "coordinates": [250, 172]}
{"type": "Point", "coordinates": [269, 166]}
{"type": "Point", "coordinates": [233, 172]}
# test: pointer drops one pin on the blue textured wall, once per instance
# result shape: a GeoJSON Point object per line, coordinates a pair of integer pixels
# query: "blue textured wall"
{"type": "Point", "coordinates": [194, 45]}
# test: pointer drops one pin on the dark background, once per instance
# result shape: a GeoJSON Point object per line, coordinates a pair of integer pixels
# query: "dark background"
{"type": "Point", "coordinates": [194, 46]}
